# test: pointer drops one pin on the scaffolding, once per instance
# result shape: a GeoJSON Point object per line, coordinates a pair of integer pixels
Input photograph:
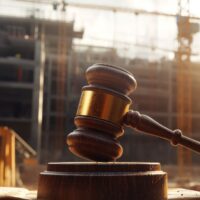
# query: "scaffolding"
{"type": "Point", "coordinates": [158, 88]}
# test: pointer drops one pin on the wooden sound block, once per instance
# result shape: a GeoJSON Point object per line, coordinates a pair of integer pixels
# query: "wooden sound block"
{"type": "Point", "coordinates": [103, 181]}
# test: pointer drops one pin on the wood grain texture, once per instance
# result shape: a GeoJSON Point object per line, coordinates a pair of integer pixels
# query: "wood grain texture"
{"type": "Point", "coordinates": [100, 113]}
{"type": "Point", "coordinates": [7, 157]}
{"type": "Point", "coordinates": [16, 193]}
{"type": "Point", "coordinates": [103, 111]}
{"type": "Point", "coordinates": [101, 181]}
{"type": "Point", "coordinates": [148, 125]}
{"type": "Point", "coordinates": [13, 193]}
{"type": "Point", "coordinates": [108, 76]}
{"type": "Point", "coordinates": [183, 194]}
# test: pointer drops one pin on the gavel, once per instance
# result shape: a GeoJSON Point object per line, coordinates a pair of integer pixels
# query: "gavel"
{"type": "Point", "coordinates": [103, 111]}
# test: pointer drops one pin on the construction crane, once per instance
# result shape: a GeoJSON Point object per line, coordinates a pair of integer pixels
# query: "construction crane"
{"type": "Point", "coordinates": [107, 8]}
{"type": "Point", "coordinates": [116, 9]}
{"type": "Point", "coordinates": [184, 80]}
{"type": "Point", "coordinates": [61, 73]}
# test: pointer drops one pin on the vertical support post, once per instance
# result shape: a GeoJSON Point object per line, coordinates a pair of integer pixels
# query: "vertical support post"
{"type": "Point", "coordinates": [7, 157]}
{"type": "Point", "coordinates": [184, 94]}
{"type": "Point", "coordinates": [1, 158]}
{"type": "Point", "coordinates": [69, 89]}
{"type": "Point", "coordinates": [37, 108]}
{"type": "Point", "coordinates": [170, 98]}
{"type": "Point", "coordinates": [61, 86]}
{"type": "Point", "coordinates": [48, 105]}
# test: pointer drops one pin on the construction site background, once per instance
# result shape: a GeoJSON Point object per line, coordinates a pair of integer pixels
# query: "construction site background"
{"type": "Point", "coordinates": [43, 59]}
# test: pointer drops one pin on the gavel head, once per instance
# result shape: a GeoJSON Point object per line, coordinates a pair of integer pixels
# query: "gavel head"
{"type": "Point", "coordinates": [99, 118]}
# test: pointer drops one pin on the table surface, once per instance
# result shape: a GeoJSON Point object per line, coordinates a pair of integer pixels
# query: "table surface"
{"type": "Point", "coordinates": [24, 194]}
{"type": "Point", "coordinates": [179, 193]}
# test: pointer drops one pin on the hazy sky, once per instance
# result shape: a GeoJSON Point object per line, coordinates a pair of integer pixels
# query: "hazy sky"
{"type": "Point", "coordinates": [123, 30]}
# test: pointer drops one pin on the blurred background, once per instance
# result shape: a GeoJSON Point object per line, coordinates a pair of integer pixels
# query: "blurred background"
{"type": "Point", "coordinates": [45, 48]}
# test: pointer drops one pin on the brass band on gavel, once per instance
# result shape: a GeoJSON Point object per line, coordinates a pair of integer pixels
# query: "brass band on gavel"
{"type": "Point", "coordinates": [103, 104]}
{"type": "Point", "coordinates": [104, 110]}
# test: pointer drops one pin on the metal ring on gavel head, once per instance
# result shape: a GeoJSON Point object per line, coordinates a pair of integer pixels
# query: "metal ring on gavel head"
{"type": "Point", "coordinates": [102, 107]}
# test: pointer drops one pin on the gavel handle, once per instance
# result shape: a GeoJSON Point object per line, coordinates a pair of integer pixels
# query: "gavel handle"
{"type": "Point", "coordinates": [148, 125]}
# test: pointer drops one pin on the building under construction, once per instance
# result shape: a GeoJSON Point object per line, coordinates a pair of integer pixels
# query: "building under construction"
{"type": "Point", "coordinates": [42, 71]}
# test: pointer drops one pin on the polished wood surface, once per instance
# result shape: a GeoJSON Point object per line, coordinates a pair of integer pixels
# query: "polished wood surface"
{"type": "Point", "coordinates": [183, 194]}
{"type": "Point", "coordinates": [102, 181]}
{"type": "Point", "coordinates": [24, 194]}
{"type": "Point", "coordinates": [16, 193]}
{"type": "Point", "coordinates": [93, 145]}
{"type": "Point", "coordinates": [103, 111]}
{"type": "Point", "coordinates": [148, 125]}
{"type": "Point", "coordinates": [99, 119]}
{"type": "Point", "coordinates": [7, 157]}
{"type": "Point", "coordinates": [108, 76]}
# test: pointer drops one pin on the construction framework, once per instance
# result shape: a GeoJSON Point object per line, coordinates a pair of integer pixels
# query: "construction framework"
{"type": "Point", "coordinates": [182, 67]}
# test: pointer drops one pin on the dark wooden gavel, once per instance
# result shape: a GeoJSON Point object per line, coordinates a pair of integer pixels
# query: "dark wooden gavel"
{"type": "Point", "coordinates": [103, 111]}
